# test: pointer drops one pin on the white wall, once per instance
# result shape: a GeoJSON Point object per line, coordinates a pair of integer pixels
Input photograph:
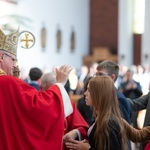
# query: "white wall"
{"type": "Point", "coordinates": [146, 36]}
{"type": "Point", "coordinates": [54, 13]}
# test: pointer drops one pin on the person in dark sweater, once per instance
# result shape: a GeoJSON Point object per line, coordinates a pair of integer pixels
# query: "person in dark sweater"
{"type": "Point", "coordinates": [111, 68]}
{"type": "Point", "coordinates": [107, 131]}
{"type": "Point", "coordinates": [86, 111]}
{"type": "Point", "coordinates": [35, 74]}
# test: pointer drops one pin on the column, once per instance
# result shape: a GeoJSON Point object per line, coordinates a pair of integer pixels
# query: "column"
{"type": "Point", "coordinates": [145, 54]}
{"type": "Point", "coordinates": [125, 33]}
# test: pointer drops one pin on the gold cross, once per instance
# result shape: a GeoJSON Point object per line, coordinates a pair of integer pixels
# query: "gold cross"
{"type": "Point", "coordinates": [27, 40]}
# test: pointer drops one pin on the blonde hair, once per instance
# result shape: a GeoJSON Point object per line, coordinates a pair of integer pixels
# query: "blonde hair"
{"type": "Point", "coordinates": [105, 102]}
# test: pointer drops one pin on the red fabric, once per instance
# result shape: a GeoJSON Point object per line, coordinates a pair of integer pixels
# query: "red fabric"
{"type": "Point", "coordinates": [147, 146]}
{"type": "Point", "coordinates": [76, 121]}
{"type": "Point", "coordinates": [30, 119]}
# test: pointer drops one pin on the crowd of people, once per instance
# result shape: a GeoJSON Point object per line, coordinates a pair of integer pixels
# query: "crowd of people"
{"type": "Point", "coordinates": [37, 113]}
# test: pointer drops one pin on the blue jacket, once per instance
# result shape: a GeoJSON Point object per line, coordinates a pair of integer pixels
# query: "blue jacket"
{"type": "Point", "coordinates": [35, 86]}
{"type": "Point", "coordinates": [124, 106]}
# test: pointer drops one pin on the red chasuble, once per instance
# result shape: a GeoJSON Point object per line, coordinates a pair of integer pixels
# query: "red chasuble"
{"type": "Point", "coordinates": [76, 121]}
{"type": "Point", "coordinates": [147, 146]}
{"type": "Point", "coordinates": [30, 119]}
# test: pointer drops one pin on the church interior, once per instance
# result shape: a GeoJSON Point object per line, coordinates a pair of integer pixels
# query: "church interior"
{"type": "Point", "coordinates": [82, 33]}
{"type": "Point", "coordinates": [87, 31]}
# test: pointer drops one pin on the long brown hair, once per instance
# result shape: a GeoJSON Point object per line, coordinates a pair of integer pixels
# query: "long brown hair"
{"type": "Point", "coordinates": [105, 102]}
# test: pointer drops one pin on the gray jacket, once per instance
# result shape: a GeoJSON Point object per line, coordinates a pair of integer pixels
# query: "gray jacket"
{"type": "Point", "coordinates": [141, 103]}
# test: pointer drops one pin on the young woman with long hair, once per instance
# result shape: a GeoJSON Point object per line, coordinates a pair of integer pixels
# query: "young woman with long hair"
{"type": "Point", "coordinates": [109, 131]}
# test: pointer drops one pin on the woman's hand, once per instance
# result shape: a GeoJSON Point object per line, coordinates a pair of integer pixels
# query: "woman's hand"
{"type": "Point", "coordinates": [77, 145]}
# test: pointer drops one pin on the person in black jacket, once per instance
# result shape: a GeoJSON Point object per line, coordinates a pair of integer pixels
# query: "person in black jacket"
{"type": "Point", "coordinates": [107, 132]}
{"type": "Point", "coordinates": [111, 68]}
{"type": "Point", "coordinates": [86, 111]}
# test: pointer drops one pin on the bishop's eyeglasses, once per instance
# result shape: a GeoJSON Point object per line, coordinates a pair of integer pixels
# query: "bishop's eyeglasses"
{"type": "Point", "coordinates": [13, 59]}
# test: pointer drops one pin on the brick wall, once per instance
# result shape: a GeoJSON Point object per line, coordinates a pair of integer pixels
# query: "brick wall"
{"type": "Point", "coordinates": [104, 28]}
{"type": "Point", "coordinates": [104, 24]}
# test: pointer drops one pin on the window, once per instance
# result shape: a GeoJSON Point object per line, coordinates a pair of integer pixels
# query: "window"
{"type": "Point", "coordinates": [138, 16]}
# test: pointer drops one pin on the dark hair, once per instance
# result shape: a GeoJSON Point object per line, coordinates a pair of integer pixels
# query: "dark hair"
{"type": "Point", "coordinates": [110, 66]}
{"type": "Point", "coordinates": [35, 73]}
{"type": "Point", "coordinates": [86, 83]}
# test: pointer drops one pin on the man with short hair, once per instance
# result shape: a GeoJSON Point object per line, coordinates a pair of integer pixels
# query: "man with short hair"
{"type": "Point", "coordinates": [30, 119]}
{"type": "Point", "coordinates": [111, 69]}
{"type": "Point", "coordinates": [35, 74]}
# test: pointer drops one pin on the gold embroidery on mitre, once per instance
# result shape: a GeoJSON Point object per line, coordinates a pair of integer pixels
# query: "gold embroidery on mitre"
{"type": "Point", "coordinates": [2, 72]}
{"type": "Point", "coordinates": [9, 42]}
